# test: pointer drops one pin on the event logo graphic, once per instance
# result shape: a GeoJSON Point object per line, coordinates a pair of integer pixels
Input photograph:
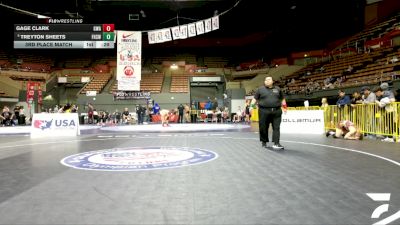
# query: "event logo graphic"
{"type": "Point", "coordinates": [126, 35]}
{"type": "Point", "coordinates": [382, 197]}
{"type": "Point", "coordinates": [42, 124]}
{"type": "Point", "coordinates": [139, 158]}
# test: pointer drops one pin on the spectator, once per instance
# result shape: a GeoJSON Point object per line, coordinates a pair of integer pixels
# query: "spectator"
{"type": "Point", "coordinates": [238, 116]}
{"type": "Point", "coordinates": [394, 59]}
{"type": "Point", "coordinates": [74, 109]}
{"type": "Point", "coordinates": [187, 114]}
{"type": "Point", "coordinates": [368, 96]}
{"type": "Point", "coordinates": [117, 116]}
{"type": "Point", "coordinates": [380, 94]}
{"type": "Point", "coordinates": [324, 103]}
{"type": "Point", "coordinates": [156, 109]}
{"type": "Point", "coordinates": [140, 111]}
{"type": "Point", "coordinates": [181, 108]}
{"type": "Point", "coordinates": [125, 115]}
{"type": "Point", "coordinates": [397, 95]}
{"type": "Point", "coordinates": [22, 116]}
{"type": "Point", "coordinates": [95, 116]}
{"type": "Point", "coordinates": [247, 113]}
{"type": "Point", "coordinates": [349, 69]}
{"type": "Point", "coordinates": [90, 113]}
{"type": "Point", "coordinates": [384, 100]}
{"type": "Point", "coordinates": [16, 115]}
{"type": "Point", "coordinates": [343, 99]}
{"type": "Point", "coordinates": [214, 104]}
{"type": "Point", "coordinates": [357, 99]}
{"type": "Point", "coordinates": [193, 113]}
{"type": "Point", "coordinates": [384, 86]}
{"type": "Point", "coordinates": [6, 116]}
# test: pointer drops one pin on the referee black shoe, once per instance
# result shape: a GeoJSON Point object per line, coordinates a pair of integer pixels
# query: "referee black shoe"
{"type": "Point", "coordinates": [277, 146]}
{"type": "Point", "coordinates": [263, 144]}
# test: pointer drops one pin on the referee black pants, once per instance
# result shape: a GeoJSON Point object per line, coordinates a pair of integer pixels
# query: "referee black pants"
{"type": "Point", "coordinates": [266, 117]}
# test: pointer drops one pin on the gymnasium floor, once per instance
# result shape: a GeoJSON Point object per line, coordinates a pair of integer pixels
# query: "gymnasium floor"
{"type": "Point", "coordinates": [194, 174]}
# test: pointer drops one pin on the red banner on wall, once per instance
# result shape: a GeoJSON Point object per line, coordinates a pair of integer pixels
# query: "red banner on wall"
{"type": "Point", "coordinates": [40, 97]}
{"type": "Point", "coordinates": [30, 92]}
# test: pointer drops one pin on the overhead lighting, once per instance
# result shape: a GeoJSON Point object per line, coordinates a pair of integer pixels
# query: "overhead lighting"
{"type": "Point", "coordinates": [143, 14]}
{"type": "Point", "coordinates": [174, 67]}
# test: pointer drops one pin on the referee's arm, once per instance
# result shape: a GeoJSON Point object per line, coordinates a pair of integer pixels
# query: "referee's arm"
{"type": "Point", "coordinates": [284, 104]}
{"type": "Point", "coordinates": [255, 99]}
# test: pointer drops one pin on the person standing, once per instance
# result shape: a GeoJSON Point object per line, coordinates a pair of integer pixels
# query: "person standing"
{"type": "Point", "coordinates": [193, 113]}
{"type": "Point", "coordinates": [180, 113]}
{"type": "Point", "coordinates": [125, 115]}
{"type": "Point", "coordinates": [140, 110]}
{"type": "Point", "coordinates": [270, 101]}
{"type": "Point", "coordinates": [90, 113]}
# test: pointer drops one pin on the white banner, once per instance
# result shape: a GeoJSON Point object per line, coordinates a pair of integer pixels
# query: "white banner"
{"type": "Point", "coordinates": [215, 23]}
{"type": "Point", "coordinates": [184, 32]}
{"type": "Point", "coordinates": [200, 27]}
{"type": "Point", "coordinates": [54, 125]}
{"type": "Point", "coordinates": [303, 122]}
{"type": "Point", "coordinates": [152, 37]}
{"type": "Point", "coordinates": [167, 34]}
{"type": "Point", "coordinates": [176, 32]}
{"type": "Point", "coordinates": [207, 23]}
{"type": "Point", "coordinates": [192, 29]}
{"type": "Point", "coordinates": [129, 61]}
{"type": "Point", "coordinates": [128, 84]}
{"type": "Point", "coordinates": [159, 36]}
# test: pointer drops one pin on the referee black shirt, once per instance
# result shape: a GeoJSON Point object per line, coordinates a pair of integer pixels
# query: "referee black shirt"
{"type": "Point", "coordinates": [269, 97]}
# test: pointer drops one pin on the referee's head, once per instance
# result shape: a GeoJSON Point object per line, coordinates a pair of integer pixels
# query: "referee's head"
{"type": "Point", "coordinates": [268, 82]}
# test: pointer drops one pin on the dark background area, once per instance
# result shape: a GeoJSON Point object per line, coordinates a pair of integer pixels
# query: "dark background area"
{"type": "Point", "coordinates": [248, 28]}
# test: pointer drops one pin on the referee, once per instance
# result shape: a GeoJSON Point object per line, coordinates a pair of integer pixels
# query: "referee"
{"type": "Point", "coordinates": [270, 100]}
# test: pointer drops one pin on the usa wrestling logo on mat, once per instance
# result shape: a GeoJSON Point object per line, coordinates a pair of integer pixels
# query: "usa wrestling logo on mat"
{"type": "Point", "coordinates": [139, 158]}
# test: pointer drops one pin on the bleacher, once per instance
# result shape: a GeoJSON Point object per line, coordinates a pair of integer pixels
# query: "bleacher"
{"type": "Point", "coordinates": [215, 62]}
{"type": "Point", "coordinates": [369, 68]}
{"type": "Point", "coordinates": [180, 82]}
{"type": "Point", "coordinates": [97, 83]}
{"type": "Point", "coordinates": [36, 63]}
{"type": "Point", "coordinates": [373, 32]}
{"type": "Point", "coordinates": [83, 62]}
{"type": "Point", "coordinates": [151, 82]}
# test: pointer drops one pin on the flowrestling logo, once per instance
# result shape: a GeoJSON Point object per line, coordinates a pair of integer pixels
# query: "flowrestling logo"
{"type": "Point", "coordinates": [376, 214]}
{"type": "Point", "coordinates": [139, 158]}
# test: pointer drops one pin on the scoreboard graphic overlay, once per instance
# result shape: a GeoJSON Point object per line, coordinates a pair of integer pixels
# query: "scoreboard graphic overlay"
{"type": "Point", "coordinates": [65, 36]}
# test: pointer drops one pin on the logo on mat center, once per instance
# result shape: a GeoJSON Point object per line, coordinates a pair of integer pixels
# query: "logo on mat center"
{"type": "Point", "coordinates": [382, 197]}
{"type": "Point", "coordinates": [138, 158]}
